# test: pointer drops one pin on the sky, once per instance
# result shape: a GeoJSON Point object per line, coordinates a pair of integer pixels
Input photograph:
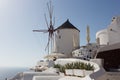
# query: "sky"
{"type": "Point", "coordinates": [20, 47]}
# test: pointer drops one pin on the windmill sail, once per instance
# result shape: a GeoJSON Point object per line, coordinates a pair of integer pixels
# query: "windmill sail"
{"type": "Point", "coordinates": [50, 26]}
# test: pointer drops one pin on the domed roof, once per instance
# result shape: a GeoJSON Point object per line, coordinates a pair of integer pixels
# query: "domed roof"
{"type": "Point", "coordinates": [67, 25]}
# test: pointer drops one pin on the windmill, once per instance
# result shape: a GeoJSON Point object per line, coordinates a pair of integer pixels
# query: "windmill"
{"type": "Point", "coordinates": [50, 26]}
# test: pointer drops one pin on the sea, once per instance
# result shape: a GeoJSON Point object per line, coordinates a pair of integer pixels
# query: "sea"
{"type": "Point", "coordinates": [9, 72]}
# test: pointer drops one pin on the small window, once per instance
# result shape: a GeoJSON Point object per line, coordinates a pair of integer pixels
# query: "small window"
{"type": "Point", "coordinates": [111, 29]}
{"type": "Point", "coordinates": [58, 31]}
{"type": "Point", "coordinates": [113, 17]}
{"type": "Point", "coordinates": [59, 37]}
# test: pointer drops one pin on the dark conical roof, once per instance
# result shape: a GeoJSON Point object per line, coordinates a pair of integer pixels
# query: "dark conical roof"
{"type": "Point", "coordinates": [67, 25]}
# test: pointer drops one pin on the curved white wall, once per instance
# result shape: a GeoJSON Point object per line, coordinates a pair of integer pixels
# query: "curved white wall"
{"type": "Point", "coordinates": [102, 36]}
{"type": "Point", "coordinates": [111, 35]}
{"type": "Point", "coordinates": [67, 40]}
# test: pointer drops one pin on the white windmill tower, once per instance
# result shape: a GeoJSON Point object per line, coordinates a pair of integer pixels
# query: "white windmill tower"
{"type": "Point", "coordinates": [67, 38]}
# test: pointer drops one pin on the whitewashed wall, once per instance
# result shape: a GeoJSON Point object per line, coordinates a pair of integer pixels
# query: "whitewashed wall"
{"type": "Point", "coordinates": [102, 36]}
{"type": "Point", "coordinates": [114, 31]}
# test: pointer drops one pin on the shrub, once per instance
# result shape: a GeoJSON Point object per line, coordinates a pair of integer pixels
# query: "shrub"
{"type": "Point", "coordinates": [62, 69]}
{"type": "Point", "coordinates": [89, 67]}
{"type": "Point", "coordinates": [69, 66]}
{"type": "Point", "coordinates": [79, 65]}
{"type": "Point", "coordinates": [75, 65]}
{"type": "Point", "coordinates": [57, 65]}
{"type": "Point", "coordinates": [82, 66]}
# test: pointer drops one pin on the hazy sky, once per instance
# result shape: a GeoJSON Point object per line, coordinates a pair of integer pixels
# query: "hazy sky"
{"type": "Point", "coordinates": [19, 46]}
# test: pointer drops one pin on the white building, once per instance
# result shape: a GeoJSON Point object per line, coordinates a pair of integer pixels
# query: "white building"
{"type": "Point", "coordinates": [66, 38]}
{"type": "Point", "coordinates": [86, 52]}
{"type": "Point", "coordinates": [111, 35]}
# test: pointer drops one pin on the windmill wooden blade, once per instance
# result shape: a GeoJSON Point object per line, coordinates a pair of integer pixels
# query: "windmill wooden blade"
{"type": "Point", "coordinates": [50, 10]}
{"type": "Point", "coordinates": [54, 21]}
{"type": "Point", "coordinates": [40, 31]}
{"type": "Point", "coordinates": [48, 42]}
{"type": "Point", "coordinates": [46, 21]}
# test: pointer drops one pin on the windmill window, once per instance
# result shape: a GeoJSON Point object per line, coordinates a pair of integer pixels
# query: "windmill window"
{"type": "Point", "coordinates": [111, 29]}
{"type": "Point", "coordinates": [59, 37]}
{"type": "Point", "coordinates": [58, 31]}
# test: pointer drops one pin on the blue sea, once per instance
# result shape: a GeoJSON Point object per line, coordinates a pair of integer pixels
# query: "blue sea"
{"type": "Point", "coordinates": [9, 72]}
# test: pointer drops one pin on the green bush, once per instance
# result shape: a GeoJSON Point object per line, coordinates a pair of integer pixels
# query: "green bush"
{"type": "Point", "coordinates": [62, 69]}
{"type": "Point", "coordinates": [79, 65]}
{"type": "Point", "coordinates": [89, 67]}
{"type": "Point", "coordinates": [75, 65]}
{"type": "Point", "coordinates": [57, 65]}
{"type": "Point", "coordinates": [69, 66]}
{"type": "Point", "coordinates": [82, 66]}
